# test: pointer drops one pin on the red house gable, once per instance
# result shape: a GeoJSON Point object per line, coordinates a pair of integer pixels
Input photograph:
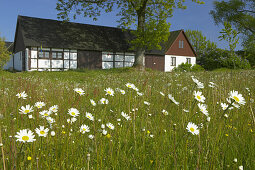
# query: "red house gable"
{"type": "Point", "coordinates": [187, 49]}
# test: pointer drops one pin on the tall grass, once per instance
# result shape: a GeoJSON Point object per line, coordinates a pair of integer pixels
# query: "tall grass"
{"type": "Point", "coordinates": [150, 140]}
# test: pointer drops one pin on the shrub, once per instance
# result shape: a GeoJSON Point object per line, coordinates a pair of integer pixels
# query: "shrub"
{"type": "Point", "coordinates": [196, 68]}
{"type": "Point", "coordinates": [185, 67]}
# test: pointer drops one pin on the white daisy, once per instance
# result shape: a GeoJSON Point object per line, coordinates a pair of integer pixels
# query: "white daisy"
{"type": "Point", "coordinates": [126, 116]}
{"type": "Point", "coordinates": [22, 95]}
{"type": "Point", "coordinates": [131, 86]}
{"type": "Point", "coordinates": [72, 120]}
{"type": "Point", "coordinates": [203, 108]}
{"type": "Point", "coordinates": [39, 105]}
{"type": "Point", "coordinates": [103, 126]}
{"type": "Point", "coordinates": [50, 119]}
{"type": "Point", "coordinates": [109, 91]}
{"type": "Point", "coordinates": [192, 128]}
{"type": "Point", "coordinates": [122, 92]}
{"type": "Point", "coordinates": [41, 131]}
{"type": "Point", "coordinates": [45, 113]}
{"type": "Point", "coordinates": [103, 101]}
{"type": "Point", "coordinates": [172, 99]}
{"type": "Point", "coordinates": [104, 132]}
{"type": "Point", "coordinates": [110, 126]}
{"type": "Point", "coordinates": [91, 136]}
{"type": "Point", "coordinates": [165, 112]}
{"type": "Point", "coordinates": [93, 102]}
{"type": "Point", "coordinates": [147, 103]}
{"type": "Point", "coordinates": [84, 129]}
{"type": "Point", "coordinates": [199, 97]}
{"type": "Point", "coordinates": [238, 98]}
{"type": "Point", "coordinates": [139, 94]}
{"type": "Point", "coordinates": [89, 116]}
{"type": "Point", "coordinates": [25, 135]}
{"type": "Point", "coordinates": [224, 106]}
{"type": "Point", "coordinates": [162, 93]}
{"type": "Point", "coordinates": [79, 91]}
{"type": "Point", "coordinates": [26, 110]}
{"type": "Point", "coordinates": [54, 108]}
{"type": "Point", "coordinates": [73, 112]}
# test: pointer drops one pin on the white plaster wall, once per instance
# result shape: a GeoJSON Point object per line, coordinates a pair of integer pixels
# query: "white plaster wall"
{"type": "Point", "coordinates": [9, 64]}
{"type": "Point", "coordinates": [26, 59]}
{"type": "Point", "coordinates": [33, 63]}
{"type": "Point", "coordinates": [18, 61]}
{"type": "Point", "coordinates": [33, 54]}
{"type": "Point", "coordinates": [179, 60]}
{"type": "Point", "coordinates": [73, 64]}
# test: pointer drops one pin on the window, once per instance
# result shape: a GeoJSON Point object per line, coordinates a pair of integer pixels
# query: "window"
{"type": "Point", "coordinates": [117, 60]}
{"type": "Point", "coordinates": [173, 61]}
{"type": "Point", "coordinates": [188, 60]}
{"type": "Point", "coordinates": [181, 43]}
{"type": "Point", "coordinates": [44, 54]}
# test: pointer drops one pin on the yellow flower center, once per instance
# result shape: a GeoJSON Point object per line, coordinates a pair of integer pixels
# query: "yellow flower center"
{"type": "Point", "coordinates": [199, 98]}
{"type": "Point", "coordinates": [46, 114]}
{"type": "Point", "coordinates": [84, 129]}
{"type": "Point", "coordinates": [42, 132]}
{"type": "Point", "coordinates": [236, 99]}
{"type": "Point", "coordinates": [25, 138]}
{"type": "Point", "coordinates": [109, 92]}
{"type": "Point", "coordinates": [27, 111]}
{"type": "Point", "coordinates": [29, 158]}
{"type": "Point", "coordinates": [73, 113]}
{"type": "Point", "coordinates": [192, 129]}
{"type": "Point", "coordinates": [54, 109]}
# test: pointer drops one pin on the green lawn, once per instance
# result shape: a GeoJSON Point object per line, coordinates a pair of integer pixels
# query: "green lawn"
{"type": "Point", "coordinates": [150, 139]}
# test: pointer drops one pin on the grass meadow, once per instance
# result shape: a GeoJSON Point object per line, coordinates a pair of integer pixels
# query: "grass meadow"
{"type": "Point", "coordinates": [141, 126]}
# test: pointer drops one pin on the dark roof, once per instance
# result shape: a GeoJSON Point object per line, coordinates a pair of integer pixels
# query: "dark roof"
{"type": "Point", "coordinates": [9, 45]}
{"type": "Point", "coordinates": [165, 46]}
{"type": "Point", "coordinates": [58, 34]}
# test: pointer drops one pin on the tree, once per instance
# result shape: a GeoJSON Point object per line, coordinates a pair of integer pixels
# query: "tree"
{"type": "Point", "coordinates": [4, 53]}
{"type": "Point", "coordinates": [201, 45]}
{"type": "Point", "coordinates": [148, 16]}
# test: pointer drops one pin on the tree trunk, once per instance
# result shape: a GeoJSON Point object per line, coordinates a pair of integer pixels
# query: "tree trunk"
{"type": "Point", "coordinates": [140, 49]}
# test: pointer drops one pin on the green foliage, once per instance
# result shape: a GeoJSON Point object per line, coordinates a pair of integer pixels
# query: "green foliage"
{"type": "Point", "coordinates": [185, 67]}
{"type": "Point", "coordinates": [4, 53]}
{"type": "Point", "coordinates": [201, 45]}
{"type": "Point", "coordinates": [230, 35]}
{"type": "Point", "coordinates": [130, 145]}
{"type": "Point", "coordinates": [148, 16]}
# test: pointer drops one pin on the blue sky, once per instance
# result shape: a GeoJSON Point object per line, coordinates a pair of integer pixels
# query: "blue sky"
{"type": "Point", "coordinates": [195, 17]}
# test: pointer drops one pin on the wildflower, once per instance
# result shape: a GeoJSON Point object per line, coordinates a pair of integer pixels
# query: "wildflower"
{"type": "Point", "coordinates": [203, 108]}
{"type": "Point", "coordinates": [91, 136]}
{"type": "Point", "coordinates": [73, 112]}
{"type": "Point", "coordinates": [84, 129]}
{"type": "Point", "coordinates": [52, 133]}
{"type": "Point", "coordinates": [79, 91]}
{"type": "Point", "coordinates": [162, 93]}
{"type": "Point", "coordinates": [30, 116]}
{"type": "Point", "coordinates": [25, 135]}
{"type": "Point", "coordinates": [235, 160]}
{"type": "Point", "coordinates": [54, 108]}
{"type": "Point", "coordinates": [50, 120]}
{"type": "Point", "coordinates": [110, 126]}
{"type": "Point", "coordinates": [131, 86]}
{"type": "Point", "coordinates": [108, 136]}
{"type": "Point", "coordinates": [238, 98]}
{"type": "Point", "coordinates": [226, 134]}
{"type": "Point", "coordinates": [41, 131]}
{"type": "Point", "coordinates": [152, 136]}
{"type": "Point", "coordinates": [192, 128]}
{"type": "Point", "coordinates": [103, 101]}
{"type": "Point", "coordinates": [139, 94]}
{"type": "Point", "coordinates": [39, 105]}
{"type": "Point", "coordinates": [89, 116]}
{"type": "Point", "coordinates": [22, 95]}
{"type": "Point", "coordinates": [199, 97]}
{"type": "Point", "coordinates": [93, 102]}
{"type": "Point", "coordinates": [102, 126]}
{"type": "Point", "coordinates": [26, 110]}
{"type": "Point", "coordinates": [165, 112]}
{"type": "Point", "coordinates": [122, 92]}
{"type": "Point", "coordinates": [224, 106]}
{"type": "Point", "coordinates": [208, 119]}
{"type": "Point", "coordinates": [172, 99]}
{"type": "Point", "coordinates": [29, 158]}
{"type": "Point", "coordinates": [45, 113]}
{"type": "Point", "coordinates": [1, 144]}
{"type": "Point", "coordinates": [200, 85]}
{"type": "Point", "coordinates": [104, 132]}
{"type": "Point", "coordinates": [109, 91]}
{"type": "Point", "coordinates": [185, 110]}
{"type": "Point", "coordinates": [211, 84]}
{"type": "Point", "coordinates": [240, 167]}
{"type": "Point", "coordinates": [147, 103]}
{"type": "Point", "coordinates": [136, 89]}
{"type": "Point", "coordinates": [225, 115]}
{"type": "Point", "coordinates": [72, 120]}
{"type": "Point", "coordinates": [126, 116]}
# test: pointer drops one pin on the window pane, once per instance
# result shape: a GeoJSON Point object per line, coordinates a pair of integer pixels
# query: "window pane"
{"type": "Point", "coordinates": [118, 64]}
{"type": "Point", "coordinates": [107, 65]}
{"type": "Point", "coordinates": [119, 57]}
{"type": "Point", "coordinates": [40, 54]}
{"type": "Point", "coordinates": [73, 56]}
{"type": "Point", "coordinates": [46, 54]}
{"type": "Point", "coordinates": [130, 58]}
{"type": "Point", "coordinates": [54, 55]}
{"type": "Point", "coordinates": [60, 55]}
{"type": "Point", "coordinates": [107, 57]}
{"type": "Point", "coordinates": [128, 64]}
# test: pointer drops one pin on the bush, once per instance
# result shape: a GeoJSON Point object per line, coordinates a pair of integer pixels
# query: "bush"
{"type": "Point", "coordinates": [185, 67]}
{"type": "Point", "coordinates": [197, 68]}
